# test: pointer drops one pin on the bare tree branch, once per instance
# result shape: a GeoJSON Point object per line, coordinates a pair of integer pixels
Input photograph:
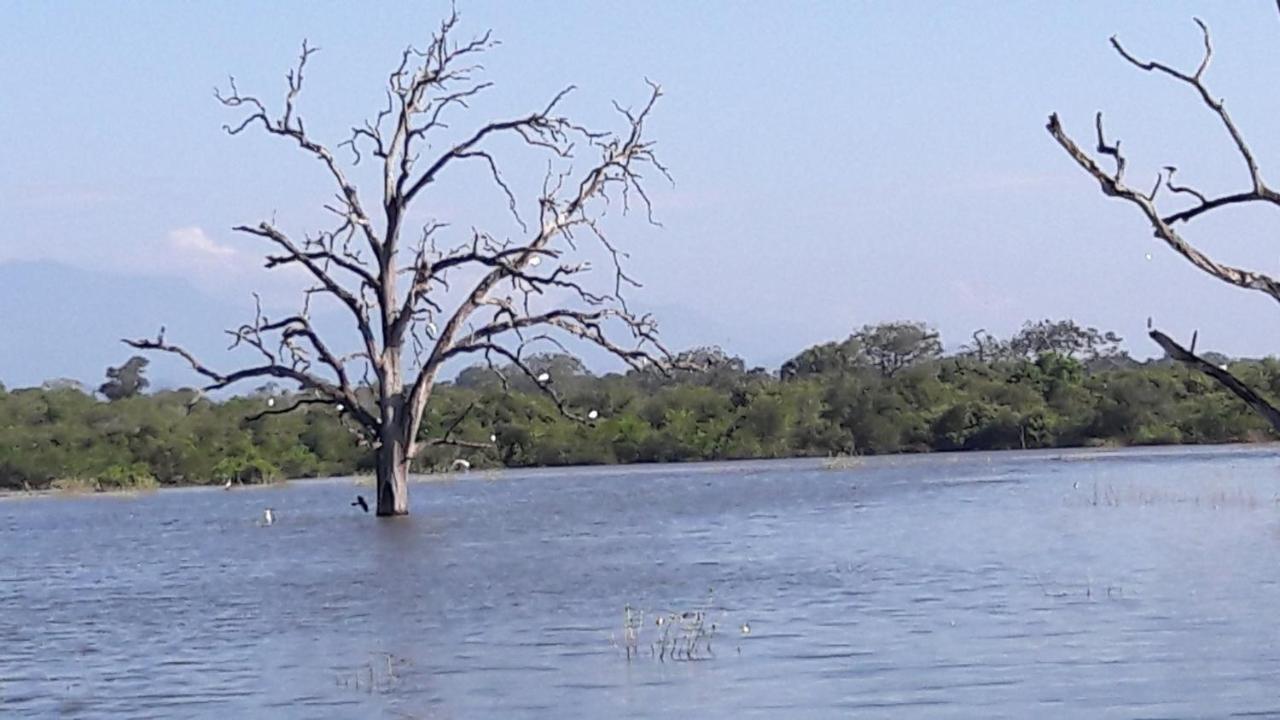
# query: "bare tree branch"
{"type": "Point", "coordinates": [1112, 186]}
{"type": "Point", "coordinates": [1195, 80]}
{"type": "Point", "coordinates": [359, 309]}
{"type": "Point", "coordinates": [621, 158]}
{"type": "Point", "coordinates": [1255, 401]}
{"type": "Point", "coordinates": [289, 125]}
{"type": "Point", "coordinates": [1162, 224]}
{"type": "Point", "coordinates": [448, 439]}
{"type": "Point", "coordinates": [418, 318]}
{"type": "Point", "coordinates": [334, 395]}
{"type": "Point", "coordinates": [1259, 190]}
{"type": "Point", "coordinates": [517, 360]}
{"type": "Point", "coordinates": [286, 409]}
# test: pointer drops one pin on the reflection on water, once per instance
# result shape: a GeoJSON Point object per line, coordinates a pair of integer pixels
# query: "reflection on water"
{"type": "Point", "coordinates": [1079, 584]}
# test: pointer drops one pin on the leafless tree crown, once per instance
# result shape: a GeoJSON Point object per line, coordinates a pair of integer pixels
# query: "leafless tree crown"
{"type": "Point", "coordinates": [1183, 202]}
{"type": "Point", "coordinates": [395, 282]}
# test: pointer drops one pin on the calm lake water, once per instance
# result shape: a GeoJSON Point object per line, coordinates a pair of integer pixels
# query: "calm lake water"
{"type": "Point", "coordinates": [1082, 584]}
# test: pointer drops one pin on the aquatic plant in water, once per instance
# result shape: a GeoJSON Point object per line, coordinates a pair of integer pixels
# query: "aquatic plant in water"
{"type": "Point", "coordinates": [672, 635]}
{"type": "Point", "coordinates": [375, 676]}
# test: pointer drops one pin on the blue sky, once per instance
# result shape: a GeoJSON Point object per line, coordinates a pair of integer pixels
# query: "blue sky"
{"type": "Point", "coordinates": [835, 163]}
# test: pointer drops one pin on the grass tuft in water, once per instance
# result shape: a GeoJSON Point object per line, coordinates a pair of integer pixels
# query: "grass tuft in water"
{"type": "Point", "coordinates": [381, 675]}
{"type": "Point", "coordinates": [1217, 499]}
{"type": "Point", "coordinates": [842, 462]}
{"type": "Point", "coordinates": [682, 635]}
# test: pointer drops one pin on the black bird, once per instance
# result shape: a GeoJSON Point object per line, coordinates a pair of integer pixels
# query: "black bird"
{"type": "Point", "coordinates": [359, 501]}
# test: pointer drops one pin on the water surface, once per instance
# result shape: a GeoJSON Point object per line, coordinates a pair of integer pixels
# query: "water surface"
{"type": "Point", "coordinates": [1083, 584]}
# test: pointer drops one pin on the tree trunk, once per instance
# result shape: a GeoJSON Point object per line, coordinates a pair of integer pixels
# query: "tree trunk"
{"type": "Point", "coordinates": [393, 478]}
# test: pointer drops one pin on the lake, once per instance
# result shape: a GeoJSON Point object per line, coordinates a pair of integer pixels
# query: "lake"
{"type": "Point", "coordinates": [1090, 584]}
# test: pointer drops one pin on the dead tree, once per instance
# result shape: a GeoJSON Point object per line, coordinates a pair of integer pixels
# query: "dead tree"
{"type": "Point", "coordinates": [1188, 203]}
{"type": "Point", "coordinates": [416, 306]}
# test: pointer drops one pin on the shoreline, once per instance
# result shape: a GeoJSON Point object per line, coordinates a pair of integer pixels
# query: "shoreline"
{"type": "Point", "coordinates": [831, 463]}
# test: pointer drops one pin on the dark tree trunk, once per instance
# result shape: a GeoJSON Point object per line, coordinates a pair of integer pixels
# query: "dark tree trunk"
{"type": "Point", "coordinates": [393, 479]}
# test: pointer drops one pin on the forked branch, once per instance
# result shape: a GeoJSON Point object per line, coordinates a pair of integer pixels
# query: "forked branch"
{"type": "Point", "coordinates": [622, 161]}
{"type": "Point", "coordinates": [1162, 223]}
{"type": "Point", "coordinates": [405, 309]}
{"type": "Point", "coordinates": [326, 391]}
{"type": "Point", "coordinates": [1112, 185]}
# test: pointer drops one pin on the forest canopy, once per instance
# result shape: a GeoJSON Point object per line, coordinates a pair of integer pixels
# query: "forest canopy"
{"type": "Point", "coordinates": [887, 388]}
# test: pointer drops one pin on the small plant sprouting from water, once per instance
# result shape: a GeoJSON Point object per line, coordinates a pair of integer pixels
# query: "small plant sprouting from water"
{"type": "Point", "coordinates": [842, 462]}
{"type": "Point", "coordinates": [683, 634]}
{"type": "Point", "coordinates": [380, 676]}
{"type": "Point", "coordinates": [670, 635]}
{"type": "Point", "coordinates": [1087, 591]}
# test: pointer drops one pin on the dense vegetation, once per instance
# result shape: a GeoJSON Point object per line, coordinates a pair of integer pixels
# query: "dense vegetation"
{"type": "Point", "coordinates": [886, 389]}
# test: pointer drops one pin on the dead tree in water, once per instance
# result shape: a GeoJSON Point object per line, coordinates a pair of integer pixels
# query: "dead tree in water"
{"type": "Point", "coordinates": [416, 306]}
{"type": "Point", "coordinates": [1192, 203]}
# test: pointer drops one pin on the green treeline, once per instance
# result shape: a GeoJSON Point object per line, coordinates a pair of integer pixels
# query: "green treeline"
{"type": "Point", "coordinates": [886, 389]}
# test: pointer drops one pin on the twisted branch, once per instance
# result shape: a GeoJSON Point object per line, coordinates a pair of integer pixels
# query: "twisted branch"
{"type": "Point", "coordinates": [1162, 224]}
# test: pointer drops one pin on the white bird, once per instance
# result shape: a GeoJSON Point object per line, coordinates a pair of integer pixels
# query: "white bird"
{"type": "Point", "coordinates": [593, 415]}
{"type": "Point", "coordinates": [431, 329]}
{"type": "Point", "coordinates": [268, 516]}
{"type": "Point", "coordinates": [493, 438]}
{"type": "Point", "coordinates": [746, 629]}
{"type": "Point", "coordinates": [227, 484]}
{"type": "Point", "coordinates": [535, 261]}
{"type": "Point", "coordinates": [341, 407]}
{"type": "Point", "coordinates": [271, 402]}
{"type": "Point", "coordinates": [461, 465]}
{"type": "Point", "coordinates": [544, 377]}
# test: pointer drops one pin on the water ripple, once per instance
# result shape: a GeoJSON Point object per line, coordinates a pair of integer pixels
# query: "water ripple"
{"type": "Point", "coordinates": [948, 586]}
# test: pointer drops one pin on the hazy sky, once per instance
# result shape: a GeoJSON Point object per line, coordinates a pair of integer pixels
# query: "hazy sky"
{"type": "Point", "coordinates": [835, 163]}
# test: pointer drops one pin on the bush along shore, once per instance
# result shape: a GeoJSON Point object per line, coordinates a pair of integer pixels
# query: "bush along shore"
{"type": "Point", "coordinates": [885, 389]}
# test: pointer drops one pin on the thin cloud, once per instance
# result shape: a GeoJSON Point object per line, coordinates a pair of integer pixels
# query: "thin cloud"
{"type": "Point", "coordinates": [194, 243]}
{"type": "Point", "coordinates": [219, 267]}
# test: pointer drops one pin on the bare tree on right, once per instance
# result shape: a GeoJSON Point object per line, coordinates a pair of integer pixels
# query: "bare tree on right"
{"type": "Point", "coordinates": [1182, 203]}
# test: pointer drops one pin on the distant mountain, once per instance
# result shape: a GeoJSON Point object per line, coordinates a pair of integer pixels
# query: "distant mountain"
{"type": "Point", "coordinates": [58, 321]}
